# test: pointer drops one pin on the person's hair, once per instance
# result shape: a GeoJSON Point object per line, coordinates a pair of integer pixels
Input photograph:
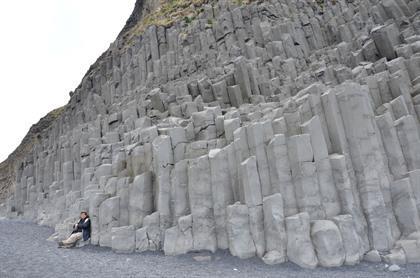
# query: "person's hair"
{"type": "Point", "coordinates": [85, 213]}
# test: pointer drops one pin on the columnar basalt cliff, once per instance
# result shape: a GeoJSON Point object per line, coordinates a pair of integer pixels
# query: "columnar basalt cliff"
{"type": "Point", "coordinates": [283, 129]}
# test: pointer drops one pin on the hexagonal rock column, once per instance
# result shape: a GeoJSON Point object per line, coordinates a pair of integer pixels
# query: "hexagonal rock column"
{"type": "Point", "coordinates": [253, 199]}
{"type": "Point", "coordinates": [95, 201]}
{"type": "Point", "coordinates": [280, 173]}
{"type": "Point", "coordinates": [299, 245]}
{"type": "Point", "coordinates": [348, 198]}
{"type": "Point", "coordinates": [68, 176]}
{"type": "Point", "coordinates": [122, 192]}
{"type": "Point", "coordinates": [163, 163]}
{"type": "Point", "coordinates": [395, 156]}
{"type": "Point", "coordinates": [408, 135]}
{"type": "Point", "coordinates": [372, 179]}
{"type": "Point", "coordinates": [109, 213]}
{"type": "Point", "coordinates": [304, 176]}
{"type": "Point", "coordinates": [241, 151]}
{"type": "Point", "coordinates": [140, 199]}
{"type": "Point", "coordinates": [415, 185]}
{"type": "Point", "coordinates": [255, 134]}
{"type": "Point", "coordinates": [241, 243]}
{"type": "Point", "coordinates": [221, 192]}
{"type": "Point", "coordinates": [405, 206]}
{"type": "Point", "coordinates": [328, 243]}
{"type": "Point", "coordinates": [200, 195]}
{"type": "Point", "coordinates": [275, 231]}
{"type": "Point", "coordinates": [351, 241]}
{"type": "Point", "coordinates": [327, 188]}
{"type": "Point", "coordinates": [179, 190]}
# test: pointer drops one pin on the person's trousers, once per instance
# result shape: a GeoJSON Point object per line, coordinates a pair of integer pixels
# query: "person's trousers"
{"type": "Point", "coordinates": [73, 239]}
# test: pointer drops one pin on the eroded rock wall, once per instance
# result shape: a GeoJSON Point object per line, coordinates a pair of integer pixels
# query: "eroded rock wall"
{"type": "Point", "coordinates": [287, 130]}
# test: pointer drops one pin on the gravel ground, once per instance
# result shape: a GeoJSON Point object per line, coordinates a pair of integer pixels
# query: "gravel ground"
{"type": "Point", "coordinates": [25, 252]}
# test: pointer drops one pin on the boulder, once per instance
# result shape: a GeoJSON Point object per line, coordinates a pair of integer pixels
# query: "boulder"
{"type": "Point", "coordinates": [411, 250]}
{"type": "Point", "coordinates": [123, 239]}
{"type": "Point", "coordinates": [328, 243]}
{"type": "Point", "coordinates": [273, 258]}
{"type": "Point", "coordinates": [397, 256]}
{"type": "Point", "coordinates": [394, 268]}
{"type": "Point", "coordinates": [372, 256]}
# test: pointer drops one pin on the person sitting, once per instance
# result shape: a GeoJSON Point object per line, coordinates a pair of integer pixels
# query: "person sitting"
{"type": "Point", "coordinates": [81, 230]}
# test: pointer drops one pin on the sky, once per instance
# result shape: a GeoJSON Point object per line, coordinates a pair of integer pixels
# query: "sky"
{"type": "Point", "coordinates": [46, 47]}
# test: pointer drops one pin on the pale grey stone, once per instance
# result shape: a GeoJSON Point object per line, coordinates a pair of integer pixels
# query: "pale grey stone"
{"type": "Point", "coordinates": [140, 199]}
{"type": "Point", "coordinates": [351, 240]}
{"type": "Point", "coordinates": [163, 163]}
{"type": "Point", "coordinates": [153, 232]}
{"type": "Point", "coordinates": [256, 225]}
{"type": "Point", "coordinates": [411, 249]}
{"type": "Point", "coordinates": [405, 208]}
{"type": "Point", "coordinates": [204, 230]}
{"type": "Point", "coordinates": [304, 176]}
{"type": "Point", "coordinates": [221, 193]}
{"type": "Point", "coordinates": [274, 228]}
{"type": "Point", "coordinates": [372, 256]}
{"type": "Point", "coordinates": [142, 241]}
{"type": "Point", "coordinates": [241, 243]}
{"type": "Point", "coordinates": [94, 207]}
{"type": "Point", "coordinates": [394, 268]}
{"type": "Point", "coordinates": [123, 239]}
{"type": "Point", "coordinates": [179, 190]}
{"type": "Point", "coordinates": [109, 213]}
{"type": "Point", "coordinates": [355, 110]}
{"type": "Point", "coordinates": [256, 143]}
{"type": "Point", "coordinates": [280, 173]}
{"type": "Point", "coordinates": [328, 243]}
{"type": "Point", "coordinates": [251, 182]}
{"type": "Point", "coordinates": [179, 239]}
{"type": "Point", "coordinates": [299, 245]}
{"type": "Point", "coordinates": [396, 256]}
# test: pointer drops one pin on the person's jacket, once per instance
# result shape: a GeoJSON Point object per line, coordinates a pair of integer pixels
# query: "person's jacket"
{"type": "Point", "coordinates": [83, 227]}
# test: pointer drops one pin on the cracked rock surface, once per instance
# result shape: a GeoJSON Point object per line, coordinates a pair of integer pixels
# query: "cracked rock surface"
{"type": "Point", "coordinates": [284, 130]}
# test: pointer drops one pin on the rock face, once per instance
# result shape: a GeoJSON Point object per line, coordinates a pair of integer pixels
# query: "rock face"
{"type": "Point", "coordinates": [300, 249]}
{"type": "Point", "coordinates": [123, 239]}
{"type": "Point", "coordinates": [241, 243]}
{"type": "Point", "coordinates": [328, 243]}
{"type": "Point", "coordinates": [287, 130]}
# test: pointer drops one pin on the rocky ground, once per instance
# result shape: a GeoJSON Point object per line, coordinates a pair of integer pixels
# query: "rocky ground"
{"type": "Point", "coordinates": [25, 252]}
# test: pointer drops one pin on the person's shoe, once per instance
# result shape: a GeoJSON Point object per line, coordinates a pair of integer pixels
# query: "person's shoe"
{"type": "Point", "coordinates": [60, 244]}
